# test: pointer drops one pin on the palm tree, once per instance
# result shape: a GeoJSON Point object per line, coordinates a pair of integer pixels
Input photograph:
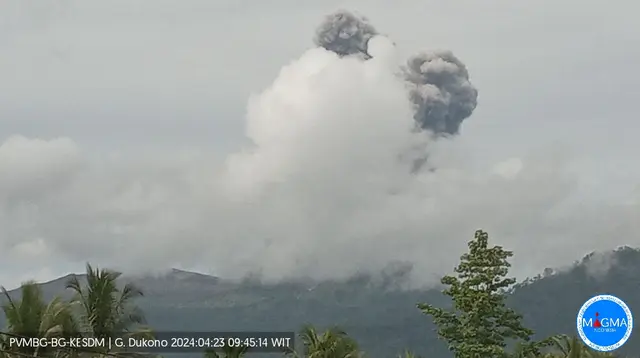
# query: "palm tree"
{"type": "Point", "coordinates": [572, 347]}
{"type": "Point", "coordinates": [227, 352]}
{"type": "Point", "coordinates": [105, 310]}
{"type": "Point", "coordinates": [408, 354]}
{"type": "Point", "coordinates": [4, 347]}
{"type": "Point", "coordinates": [32, 317]}
{"type": "Point", "coordinates": [333, 343]}
{"type": "Point", "coordinates": [569, 347]}
{"type": "Point", "coordinates": [534, 349]}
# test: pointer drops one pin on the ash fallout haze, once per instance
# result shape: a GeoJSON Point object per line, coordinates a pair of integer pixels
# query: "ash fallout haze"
{"type": "Point", "coordinates": [296, 140]}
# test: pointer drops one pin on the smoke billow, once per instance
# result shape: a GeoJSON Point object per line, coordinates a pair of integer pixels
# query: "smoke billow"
{"type": "Point", "coordinates": [437, 81]}
{"type": "Point", "coordinates": [345, 34]}
{"type": "Point", "coordinates": [440, 90]}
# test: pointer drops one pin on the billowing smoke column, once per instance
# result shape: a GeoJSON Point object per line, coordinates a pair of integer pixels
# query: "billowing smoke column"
{"type": "Point", "coordinates": [440, 91]}
{"type": "Point", "coordinates": [345, 34]}
{"type": "Point", "coordinates": [438, 82]}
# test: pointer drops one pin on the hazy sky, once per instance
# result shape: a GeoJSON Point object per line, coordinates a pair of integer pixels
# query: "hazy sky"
{"type": "Point", "coordinates": [146, 134]}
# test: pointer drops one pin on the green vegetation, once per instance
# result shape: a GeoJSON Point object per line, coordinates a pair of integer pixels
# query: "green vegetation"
{"type": "Point", "coordinates": [332, 343]}
{"type": "Point", "coordinates": [227, 352]}
{"type": "Point", "coordinates": [477, 325]}
{"type": "Point", "coordinates": [480, 325]}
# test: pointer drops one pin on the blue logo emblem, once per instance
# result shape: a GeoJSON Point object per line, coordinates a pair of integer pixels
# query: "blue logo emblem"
{"type": "Point", "coordinates": [605, 323]}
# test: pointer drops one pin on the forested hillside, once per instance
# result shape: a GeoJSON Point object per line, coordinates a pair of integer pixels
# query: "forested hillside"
{"type": "Point", "coordinates": [383, 319]}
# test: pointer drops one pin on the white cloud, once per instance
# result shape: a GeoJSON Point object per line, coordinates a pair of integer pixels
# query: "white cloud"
{"type": "Point", "coordinates": [31, 166]}
{"type": "Point", "coordinates": [323, 193]}
{"type": "Point", "coordinates": [326, 190]}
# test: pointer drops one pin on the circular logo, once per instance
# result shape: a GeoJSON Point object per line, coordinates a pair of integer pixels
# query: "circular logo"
{"type": "Point", "coordinates": [605, 323]}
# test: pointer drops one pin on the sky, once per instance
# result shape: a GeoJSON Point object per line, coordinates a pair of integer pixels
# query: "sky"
{"type": "Point", "coordinates": [215, 136]}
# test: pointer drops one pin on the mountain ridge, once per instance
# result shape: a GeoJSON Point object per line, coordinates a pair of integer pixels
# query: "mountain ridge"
{"type": "Point", "coordinates": [384, 320]}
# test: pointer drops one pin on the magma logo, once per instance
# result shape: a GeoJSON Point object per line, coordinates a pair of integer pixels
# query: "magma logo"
{"type": "Point", "coordinates": [604, 323]}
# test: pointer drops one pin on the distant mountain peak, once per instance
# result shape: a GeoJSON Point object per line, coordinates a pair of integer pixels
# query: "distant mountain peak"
{"type": "Point", "coordinates": [179, 272]}
{"type": "Point", "coordinates": [189, 275]}
{"type": "Point", "coordinates": [596, 264]}
{"type": "Point", "coordinates": [620, 250]}
{"type": "Point", "coordinates": [599, 264]}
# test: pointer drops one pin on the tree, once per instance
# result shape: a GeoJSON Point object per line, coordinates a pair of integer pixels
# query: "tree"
{"type": "Point", "coordinates": [479, 325]}
{"type": "Point", "coordinates": [32, 317]}
{"type": "Point", "coordinates": [408, 354]}
{"type": "Point", "coordinates": [105, 310]}
{"type": "Point", "coordinates": [572, 347]}
{"type": "Point", "coordinates": [227, 352]}
{"type": "Point", "coordinates": [333, 343]}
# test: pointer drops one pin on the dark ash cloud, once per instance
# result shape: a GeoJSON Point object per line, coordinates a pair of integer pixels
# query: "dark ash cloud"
{"type": "Point", "coordinates": [438, 82]}
{"type": "Point", "coordinates": [440, 90]}
{"type": "Point", "coordinates": [345, 34]}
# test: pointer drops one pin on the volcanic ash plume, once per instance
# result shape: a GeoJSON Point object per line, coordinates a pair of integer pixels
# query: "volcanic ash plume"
{"type": "Point", "coordinates": [438, 82]}
{"type": "Point", "coordinates": [345, 34]}
{"type": "Point", "coordinates": [440, 91]}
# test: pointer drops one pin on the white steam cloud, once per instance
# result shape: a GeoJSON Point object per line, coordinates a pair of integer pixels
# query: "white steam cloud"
{"type": "Point", "coordinates": [325, 191]}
